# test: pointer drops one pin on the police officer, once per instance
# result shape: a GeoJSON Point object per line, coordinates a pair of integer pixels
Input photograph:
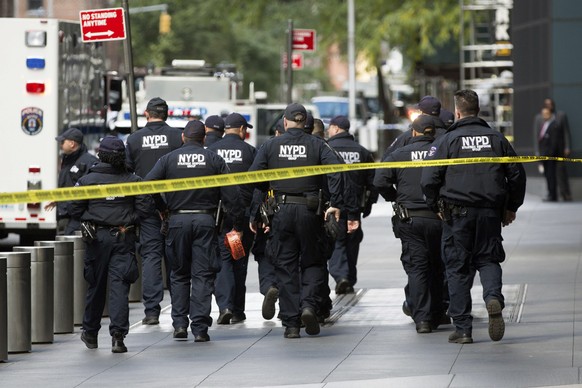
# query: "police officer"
{"type": "Point", "coordinates": [427, 105]}
{"type": "Point", "coordinates": [144, 148]}
{"type": "Point", "coordinates": [267, 278]}
{"type": "Point", "coordinates": [74, 164]}
{"type": "Point", "coordinates": [342, 265]}
{"type": "Point", "coordinates": [260, 225]}
{"type": "Point", "coordinates": [431, 106]}
{"type": "Point", "coordinates": [192, 244]}
{"type": "Point", "coordinates": [110, 244]}
{"type": "Point", "coordinates": [322, 297]}
{"type": "Point", "coordinates": [318, 128]}
{"type": "Point", "coordinates": [230, 281]}
{"type": "Point", "coordinates": [214, 129]}
{"type": "Point", "coordinates": [297, 225]}
{"type": "Point", "coordinates": [420, 229]}
{"type": "Point", "coordinates": [475, 200]}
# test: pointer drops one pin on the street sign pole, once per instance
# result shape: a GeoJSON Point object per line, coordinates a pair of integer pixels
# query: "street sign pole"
{"type": "Point", "coordinates": [289, 67]}
{"type": "Point", "coordinates": [128, 55]}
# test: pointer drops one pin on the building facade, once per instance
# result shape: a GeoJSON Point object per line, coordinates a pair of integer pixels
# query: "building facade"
{"type": "Point", "coordinates": [545, 35]}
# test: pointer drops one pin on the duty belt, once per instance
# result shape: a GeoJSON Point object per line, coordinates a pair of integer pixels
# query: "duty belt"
{"type": "Point", "coordinates": [422, 213]}
{"type": "Point", "coordinates": [195, 211]}
{"type": "Point", "coordinates": [294, 199]}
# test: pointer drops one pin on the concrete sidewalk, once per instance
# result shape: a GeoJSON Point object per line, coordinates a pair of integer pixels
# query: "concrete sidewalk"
{"type": "Point", "coordinates": [369, 341]}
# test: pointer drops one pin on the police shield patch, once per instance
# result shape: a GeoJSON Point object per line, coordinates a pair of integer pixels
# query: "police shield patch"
{"type": "Point", "coordinates": [432, 151]}
{"type": "Point", "coordinates": [31, 120]}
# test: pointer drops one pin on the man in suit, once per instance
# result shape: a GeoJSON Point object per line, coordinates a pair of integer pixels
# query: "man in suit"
{"type": "Point", "coordinates": [549, 142]}
{"type": "Point", "coordinates": [562, 121]}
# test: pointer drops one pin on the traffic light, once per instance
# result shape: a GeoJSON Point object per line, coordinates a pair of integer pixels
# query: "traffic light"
{"type": "Point", "coordinates": [165, 23]}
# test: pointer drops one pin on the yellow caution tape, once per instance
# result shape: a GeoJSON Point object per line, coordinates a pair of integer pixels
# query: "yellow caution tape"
{"type": "Point", "coordinates": [153, 187]}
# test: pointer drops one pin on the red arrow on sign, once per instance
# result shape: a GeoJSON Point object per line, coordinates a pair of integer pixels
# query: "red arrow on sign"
{"type": "Point", "coordinates": [304, 40]}
{"type": "Point", "coordinates": [102, 24]}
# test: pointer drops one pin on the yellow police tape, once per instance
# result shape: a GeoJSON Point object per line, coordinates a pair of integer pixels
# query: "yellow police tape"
{"type": "Point", "coordinates": [151, 187]}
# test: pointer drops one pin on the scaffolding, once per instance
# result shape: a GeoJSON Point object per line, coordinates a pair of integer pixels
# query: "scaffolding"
{"type": "Point", "coordinates": [485, 59]}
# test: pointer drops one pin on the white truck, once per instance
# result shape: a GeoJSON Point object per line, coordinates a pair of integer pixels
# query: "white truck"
{"type": "Point", "coordinates": [52, 81]}
{"type": "Point", "coordinates": [192, 89]}
{"type": "Point", "coordinates": [195, 90]}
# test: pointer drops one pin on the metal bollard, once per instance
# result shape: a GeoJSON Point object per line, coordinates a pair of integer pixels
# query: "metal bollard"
{"type": "Point", "coordinates": [79, 283]}
{"type": "Point", "coordinates": [63, 291]}
{"type": "Point", "coordinates": [42, 292]}
{"type": "Point", "coordinates": [19, 312]}
{"type": "Point", "coordinates": [3, 311]}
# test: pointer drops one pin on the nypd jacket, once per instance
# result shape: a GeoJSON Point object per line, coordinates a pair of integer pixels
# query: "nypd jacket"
{"type": "Point", "coordinates": [492, 185]}
{"type": "Point", "coordinates": [352, 152]}
{"type": "Point", "coordinates": [295, 148]}
{"type": "Point", "coordinates": [239, 156]}
{"type": "Point", "coordinates": [73, 167]}
{"type": "Point", "coordinates": [115, 210]}
{"type": "Point", "coordinates": [193, 160]}
{"type": "Point", "coordinates": [151, 142]}
{"type": "Point", "coordinates": [212, 137]}
{"type": "Point", "coordinates": [407, 180]}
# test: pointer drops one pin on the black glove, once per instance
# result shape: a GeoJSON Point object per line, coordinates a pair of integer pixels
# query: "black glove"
{"type": "Point", "coordinates": [332, 228]}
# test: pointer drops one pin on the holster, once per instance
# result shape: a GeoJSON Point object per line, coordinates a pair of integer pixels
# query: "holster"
{"type": "Point", "coordinates": [444, 209]}
{"type": "Point", "coordinates": [401, 212]}
{"type": "Point", "coordinates": [219, 217]}
{"type": "Point", "coordinates": [88, 231]}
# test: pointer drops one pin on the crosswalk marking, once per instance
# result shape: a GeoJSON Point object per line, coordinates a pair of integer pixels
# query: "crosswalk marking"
{"type": "Point", "coordinates": [365, 307]}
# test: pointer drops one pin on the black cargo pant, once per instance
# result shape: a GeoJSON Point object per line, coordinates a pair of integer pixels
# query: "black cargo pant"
{"type": "Point", "coordinates": [230, 286]}
{"type": "Point", "coordinates": [472, 242]}
{"type": "Point", "coordinates": [109, 257]}
{"type": "Point", "coordinates": [421, 260]}
{"type": "Point", "coordinates": [301, 272]}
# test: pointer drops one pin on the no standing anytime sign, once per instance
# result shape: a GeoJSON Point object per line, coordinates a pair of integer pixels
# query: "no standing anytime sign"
{"type": "Point", "coordinates": [102, 24]}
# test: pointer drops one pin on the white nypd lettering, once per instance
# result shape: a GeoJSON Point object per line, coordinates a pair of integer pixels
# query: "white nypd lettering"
{"type": "Point", "coordinates": [154, 142]}
{"type": "Point", "coordinates": [113, 198]}
{"type": "Point", "coordinates": [231, 156]}
{"type": "Point", "coordinates": [476, 143]}
{"type": "Point", "coordinates": [350, 157]}
{"type": "Point", "coordinates": [191, 160]}
{"type": "Point", "coordinates": [292, 152]}
{"type": "Point", "coordinates": [418, 155]}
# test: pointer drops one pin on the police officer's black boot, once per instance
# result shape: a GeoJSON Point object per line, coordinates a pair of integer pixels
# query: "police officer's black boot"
{"type": "Point", "coordinates": [117, 345]}
{"type": "Point", "coordinates": [309, 319]}
{"type": "Point", "coordinates": [90, 340]}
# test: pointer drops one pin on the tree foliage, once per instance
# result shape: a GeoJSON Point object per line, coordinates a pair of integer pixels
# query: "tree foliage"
{"type": "Point", "coordinates": [252, 33]}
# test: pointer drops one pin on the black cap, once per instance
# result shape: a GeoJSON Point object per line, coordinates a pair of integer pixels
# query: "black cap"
{"type": "Point", "coordinates": [236, 120]}
{"type": "Point", "coordinates": [295, 112]}
{"type": "Point", "coordinates": [156, 104]}
{"type": "Point", "coordinates": [195, 130]}
{"type": "Point", "coordinates": [341, 121]}
{"type": "Point", "coordinates": [215, 122]}
{"type": "Point", "coordinates": [309, 123]}
{"type": "Point", "coordinates": [447, 117]}
{"type": "Point", "coordinates": [111, 144]}
{"type": "Point", "coordinates": [423, 123]}
{"type": "Point", "coordinates": [429, 105]}
{"type": "Point", "coordinates": [74, 134]}
{"type": "Point", "coordinates": [280, 127]}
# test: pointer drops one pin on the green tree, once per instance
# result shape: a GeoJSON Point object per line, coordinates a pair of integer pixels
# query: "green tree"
{"type": "Point", "coordinates": [252, 33]}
